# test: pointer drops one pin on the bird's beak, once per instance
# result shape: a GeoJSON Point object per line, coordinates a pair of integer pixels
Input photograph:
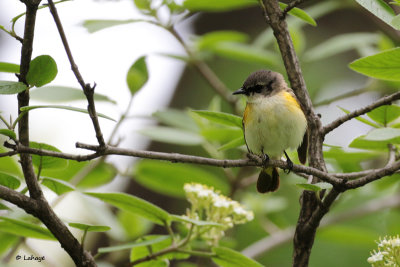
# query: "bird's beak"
{"type": "Point", "coordinates": [240, 91]}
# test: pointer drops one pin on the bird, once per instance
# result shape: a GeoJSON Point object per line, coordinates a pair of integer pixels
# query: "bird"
{"type": "Point", "coordinates": [273, 122]}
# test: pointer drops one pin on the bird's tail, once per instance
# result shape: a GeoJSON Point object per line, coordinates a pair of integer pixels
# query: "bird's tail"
{"type": "Point", "coordinates": [268, 180]}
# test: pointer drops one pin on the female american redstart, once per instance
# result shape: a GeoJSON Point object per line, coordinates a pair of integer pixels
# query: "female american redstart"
{"type": "Point", "coordinates": [272, 122]}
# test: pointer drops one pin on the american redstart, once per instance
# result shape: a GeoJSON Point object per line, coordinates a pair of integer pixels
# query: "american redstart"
{"type": "Point", "coordinates": [272, 122]}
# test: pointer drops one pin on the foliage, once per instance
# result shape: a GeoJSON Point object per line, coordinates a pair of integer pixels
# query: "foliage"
{"type": "Point", "coordinates": [206, 230]}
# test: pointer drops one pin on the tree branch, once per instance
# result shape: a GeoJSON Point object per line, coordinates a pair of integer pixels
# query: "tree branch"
{"type": "Point", "coordinates": [26, 203]}
{"type": "Point", "coordinates": [290, 6]}
{"type": "Point", "coordinates": [87, 89]}
{"type": "Point", "coordinates": [380, 102]}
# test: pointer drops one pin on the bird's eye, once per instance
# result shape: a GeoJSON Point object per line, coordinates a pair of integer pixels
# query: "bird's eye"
{"type": "Point", "coordinates": [257, 88]}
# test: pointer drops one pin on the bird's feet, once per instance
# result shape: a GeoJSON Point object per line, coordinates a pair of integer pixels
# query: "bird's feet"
{"type": "Point", "coordinates": [289, 164]}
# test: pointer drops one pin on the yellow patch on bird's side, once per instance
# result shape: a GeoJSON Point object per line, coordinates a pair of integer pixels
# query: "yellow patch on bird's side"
{"type": "Point", "coordinates": [290, 100]}
{"type": "Point", "coordinates": [246, 114]}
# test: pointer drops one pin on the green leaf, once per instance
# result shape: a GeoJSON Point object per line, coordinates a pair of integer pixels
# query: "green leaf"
{"type": "Point", "coordinates": [127, 219]}
{"type": "Point", "coordinates": [95, 25]}
{"type": "Point", "coordinates": [9, 67]}
{"type": "Point", "coordinates": [7, 241]}
{"type": "Point", "coordinates": [315, 187]}
{"type": "Point", "coordinates": [3, 207]}
{"type": "Point", "coordinates": [379, 8]}
{"type": "Point", "coordinates": [57, 186]}
{"type": "Point", "coordinates": [226, 257]}
{"type": "Point", "coordinates": [217, 6]}
{"type": "Point", "coordinates": [176, 118]}
{"type": "Point", "coordinates": [384, 65]}
{"type": "Point", "coordinates": [89, 227]}
{"type": "Point", "coordinates": [10, 88]}
{"type": "Point", "coordinates": [385, 114]}
{"type": "Point", "coordinates": [185, 219]}
{"type": "Point", "coordinates": [9, 164]}
{"type": "Point", "coordinates": [135, 205]}
{"type": "Point", "coordinates": [9, 181]}
{"type": "Point", "coordinates": [143, 4]}
{"type": "Point", "coordinates": [232, 144]}
{"type": "Point", "coordinates": [29, 108]}
{"type": "Point", "coordinates": [341, 43]}
{"type": "Point", "coordinates": [47, 162]}
{"type": "Point", "coordinates": [361, 119]}
{"type": "Point", "coordinates": [143, 251]}
{"type": "Point", "coordinates": [362, 143]}
{"type": "Point", "coordinates": [301, 14]}
{"type": "Point", "coordinates": [211, 39]}
{"type": "Point", "coordinates": [355, 236]}
{"type": "Point", "coordinates": [137, 75]}
{"type": "Point", "coordinates": [42, 70]}
{"type": "Point", "coordinates": [64, 94]}
{"type": "Point", "coordinates": [8, 133]}
{"type": "Point", "coordinates": [245, 53]}
{"type": "Point", "coordinates": [349, 161]}
{"type": "Point", "coordinates": [391, 135]}
{"type": "Point", "coordinates": [220, 117]}
{"type": "Point", "coordinates": [169, 178]}
{"type": "Point", "coordinates": [221, 134]}
{"type": "Point", "coordinates": [25, 229]}
{"type": "Point", "coordinates": [102, 174]}
{"type": "Point", "coordinates": [172, 135]}
{"type": "Point", "coordinates": [74, 167]}
{"type": "Point", "coordinates": [134, 244]}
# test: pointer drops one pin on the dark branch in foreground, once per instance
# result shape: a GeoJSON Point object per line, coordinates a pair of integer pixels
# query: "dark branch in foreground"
{"type": "Point", "coordinates": [87, 89]}
{"type": "Point", "coordinates": [290, 6]}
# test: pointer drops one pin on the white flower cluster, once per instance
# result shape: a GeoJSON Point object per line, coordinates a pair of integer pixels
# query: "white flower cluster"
{"type": "Point", "coordinates": [209, 205]}
{"type": "Point", "coordinates": [388, 253]}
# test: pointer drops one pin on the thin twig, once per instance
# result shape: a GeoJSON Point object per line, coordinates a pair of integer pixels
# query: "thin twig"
{"type": "Point", "coordinates": [87, 88]}
{"type": "Point", "coordinates": [380, 102]}
{"type": "Point", "coordinates": [290, 6]}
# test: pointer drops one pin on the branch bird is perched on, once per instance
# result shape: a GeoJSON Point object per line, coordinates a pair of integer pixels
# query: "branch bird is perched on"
{"type": "Point", "coordinates": [272, 122]}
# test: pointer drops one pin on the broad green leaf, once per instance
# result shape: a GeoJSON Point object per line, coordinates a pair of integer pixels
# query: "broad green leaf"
{"type": "Point", "coordinates": [210, 40]}
{"type": "Point", "coordinates": [172, 135]}
{"type": "Point", "coordinates": [384, 134]}
{"type": "Point", "coordinates": [95, 25]}
{"type": "Point", "coordinates": [185, 219]}
{"type": "Point", "coordinates": [361, 119]}
{"type": "Point", "coordinates": [221, 134]}
{"type": "Point", "coordinates": [379, 8]}
{"type": "Point", "coordinates": [7, 241]}
{"type": "Point", "coordinates": [226, 257]}
{"type": "Point", "coordinates": [169, 178]}
{"type": "Point", "coordinates": [89, 227]}
{"type": "Point", "coordinates": [143, 251]}
{"type": "Point", "coordinates": [127, 219]}
{"type": "Point", "coordinates": [301, 14]}
{"type": "Point", "coordinates": [42, 70]}
{"type": "Point", "coordinates": [64, 94]}
{"type": "Point", "coordinates": [385, 114]}
{"type": "Point", "coordinates": [74, 167]}
{"type": "Point", "coordinates": [25, 229]}
{"type": "Point", "coordinates": [8, 133]}
{"type": "Point", "coordinates": [314, 187]}
{"type": "Point", "coordinates": [29, 108]}
{"type": "Point", "coordinates": [100, 175]}
{"type": "Point", "coordinates": [339, 44]}
{"type": "Point", "coordinates": [134, 244]}
{"type": "Point", "coordinates": [154, 263]}
{"type": "Point", "coordinates": [137, 75]}
{"type": "Point", "coordinates": [220, 117]}
{"type": "Point", "coordinates": [384, 65]}
{"type": "Point", "coordinates": [9, 181]}
{"type": "Point", "coordinates": [47, 162]}
{"type": "Point", "coordinates": [135, 205]}
{"type": "Point", "coordinates": [245, 53]}
{"type": "Point", "coordinates": [217, 6]}
{"type": "Point", "coordinates": [9, 67]}
{"type": "Point", "coordinates": [357, 235]}
{"type": "Point", "coordinates": [57, 186]}
{"type": "Point", "coordinates": [232, 144]}
{"type": "Point", "coordinates": [9, 164]}
{"type": "Point", "coordinates": [10, 88]}
{"type": "Point", "coordinates": [176, 118]}
{"type": "Point", "coordinates": [349, 161]}
{"type": "Point", "coordinates": [362, 143]}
